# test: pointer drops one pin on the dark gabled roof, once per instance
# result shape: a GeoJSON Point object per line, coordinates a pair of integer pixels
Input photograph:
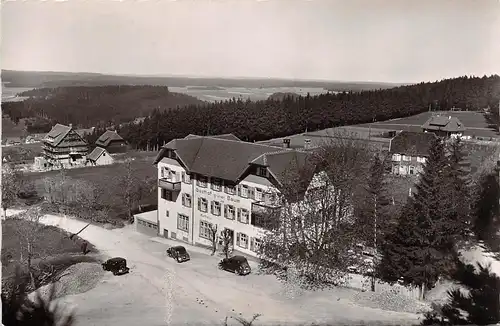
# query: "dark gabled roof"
{"type": "Point", "coordinates": [96, 153]}
{"type": "Point", "coordinates": [57, 134]}
{"type": "Point", "coordinates": [282, 162]}
{"type": "Point", "coordinates": [107, 137]}
{"type": "Point", "coordinates": [448, 124]}
{"type": "Point", "coordinates": [412, 143]}
{"type": "Point", "coordinates": [228, 159]}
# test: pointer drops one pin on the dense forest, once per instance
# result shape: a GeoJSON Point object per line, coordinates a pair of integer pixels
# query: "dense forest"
{"type": "Point", "coordinates": [254, 121]}
{"type": "Point", "coordinates": [95, 106]}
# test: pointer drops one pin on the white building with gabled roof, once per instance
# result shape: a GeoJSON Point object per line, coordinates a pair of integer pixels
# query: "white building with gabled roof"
{"type": "Point", "coordinates": [222, 181]}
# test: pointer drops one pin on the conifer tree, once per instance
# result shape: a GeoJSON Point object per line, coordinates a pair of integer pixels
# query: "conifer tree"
{"type": "Point", "coordinates": [421, 248]}
{"type": "Point", "coordinates": [479, 304]}
{"type": "Point", "coordinates": [485, 209]}
{"type": "Point", "coordinates": [459, 194]}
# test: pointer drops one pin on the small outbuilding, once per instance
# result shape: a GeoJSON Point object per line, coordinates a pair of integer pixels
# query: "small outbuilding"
{"type": "Point", "coordinates": [147, 223]}
{"type": "Point", "coordinates": [99, 156]}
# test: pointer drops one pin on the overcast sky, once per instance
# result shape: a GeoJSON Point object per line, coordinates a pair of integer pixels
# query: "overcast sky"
{"type": "Point", "coordinates": [369, 40]}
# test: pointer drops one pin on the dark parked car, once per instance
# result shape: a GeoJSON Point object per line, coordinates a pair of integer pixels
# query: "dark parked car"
{"type": "Point", "coordinates": [178, 253]}
{"type": "Point", "coordinates": [236, 264]}
{"type": "Point", "coordinates": [116, 265]}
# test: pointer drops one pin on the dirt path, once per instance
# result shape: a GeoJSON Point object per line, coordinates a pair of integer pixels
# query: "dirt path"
{"type": "Point", "coordinates": [159, 291]}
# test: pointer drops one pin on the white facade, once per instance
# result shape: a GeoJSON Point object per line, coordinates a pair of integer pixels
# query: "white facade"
{"type": "Point", "coordinates": [104, 159]}
{"type": "Point", "coordinates": [185, 210]}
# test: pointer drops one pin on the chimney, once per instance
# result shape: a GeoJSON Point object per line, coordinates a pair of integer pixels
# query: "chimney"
{"type": "Point", "coordinates": [286, 142]}
{"type": "Point", "coordinates": [71, 125]}
{"type": "Point", "coordinates": [307, 143]}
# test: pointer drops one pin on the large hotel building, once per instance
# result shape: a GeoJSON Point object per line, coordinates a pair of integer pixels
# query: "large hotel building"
{"type": "Point", "coordinates": [223, 181]}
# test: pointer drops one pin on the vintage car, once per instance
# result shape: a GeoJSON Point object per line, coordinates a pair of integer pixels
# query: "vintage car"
{"type": "Point", "coordinates": [178, 253]}
{"type": "Point", "coordinates": [236, 264]}
{"type": "Point", "coordinates": [116, 265]}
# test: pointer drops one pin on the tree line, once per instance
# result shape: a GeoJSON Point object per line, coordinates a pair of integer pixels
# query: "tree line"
{"type": "Point", "coordinates": [272, 118]}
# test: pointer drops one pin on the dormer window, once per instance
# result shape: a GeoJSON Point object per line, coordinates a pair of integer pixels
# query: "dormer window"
{"type": "Point", "coordinates": [202, 181]}
{"type": "Point", "coordinates": [262, 171]}
{"type": "Point", "coordinates": [216, 184]}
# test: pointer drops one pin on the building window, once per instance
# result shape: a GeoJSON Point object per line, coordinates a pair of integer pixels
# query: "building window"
{"type": "Point", "coordinates": [216, 184]}
{"type": "Point", "coordinates": [396, 157]}
{"type": "Point", "coordinates": [229, 189]}
{"type": "Point", "coordinates": [215, 208]}
{"type": "Point", "coordinates": [262, 171]}
{"type": "Point", "coordinates": [406, 158]}
{"type": "Point", "coordinates": [255, 244]}
{"type": "Point", "coordinates": [183, 222]}
{"type": "Point", "coordinates": [229, 212]}
{"type": "Point", "coordinates": [202, 181]}
{"type": "Point", "coordinates": [205, 230]}
{"type": "Point", "coordinates": [258, 194]}
{"type": "Point", "coordinates": [421, 159]}
{"type": "Point", "coordinates": [167, 214]}
{"type": "Point", "coordinates": [412, 170]}
{"type": "Point", "coordinates": [243, 215]}
{"type": "Point", "coordinates": [243, 191]}
{"type": "Point", "coordinates": [167, 195]}
{"type": "Point", "coordinates": [242, 240]}
{"type": "Point", "coordinates": [202, 205]}
{"type": "Point", "coordinates": [186, 178]}
{"type": "Point", "coordinates": [166, 173]}
{"type": "Point", "coordinates": [186, 200]}
{"type": "Point", "coordinates": [171, 154]}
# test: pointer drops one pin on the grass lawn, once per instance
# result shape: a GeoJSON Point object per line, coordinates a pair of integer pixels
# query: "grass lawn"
{"type": "Point", "coordinates": [53, 249]}
{"type": "Point", "coordinates": [107, 177]}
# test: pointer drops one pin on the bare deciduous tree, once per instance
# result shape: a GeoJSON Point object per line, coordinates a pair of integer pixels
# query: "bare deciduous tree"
{"type": "Point", "coordinates": [213, 237]}
{"type": "Point", "coordinates": [11, 185]}
{"type": "Point", "coordinates": [129, 186]}
{"type": "Point", "coordinates": [226, 241]}
{"type": "Point", "coordinates": [316, 229]}
{"type": "Point", "coordinates": [29, 234]}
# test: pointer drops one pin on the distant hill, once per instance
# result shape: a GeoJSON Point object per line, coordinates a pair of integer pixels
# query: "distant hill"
{"type": "Point", "coordinates": [96, 105]}
{"type": "Point", "coordinates": [281, 95]}
{"type": "Point", "coordinates": [40, 79]}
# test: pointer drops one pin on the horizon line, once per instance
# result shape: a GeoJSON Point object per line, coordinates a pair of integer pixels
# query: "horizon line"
{"type": "Point", "coordinates": [212, 77]}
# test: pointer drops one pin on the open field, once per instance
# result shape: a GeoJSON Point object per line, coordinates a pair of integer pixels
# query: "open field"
{"type": "Point", "coordinates": [475, 123]}
{"type": "Point", "coordinates": [107, 178]}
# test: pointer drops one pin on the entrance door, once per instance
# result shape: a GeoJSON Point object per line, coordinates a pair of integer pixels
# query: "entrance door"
{"type": "Point", "coordinates": [165, 233]}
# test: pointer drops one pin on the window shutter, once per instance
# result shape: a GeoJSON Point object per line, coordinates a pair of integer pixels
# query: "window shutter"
{"type": "Point", "coordinates": [238, 238]}
{"type": "Point", "coordinates": [239, 213]}
{"type": "Point", "coordinates": [252, 244]}
{"type": "Point", "coordinates": [183, 177]}
{"type": "Point", "coordinates": [225, 211]}
{"type": "Point", "coordinates": [212, 207]}
{"type": "Point", "coordinates": [199, 204]}
{"type": "Point", "coordinates": [239, 190]}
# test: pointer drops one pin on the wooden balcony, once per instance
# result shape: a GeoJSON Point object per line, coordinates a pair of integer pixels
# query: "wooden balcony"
{"type": "Point", "coordinates": [169, 184]}
{"type": "Point", "coordinates": [263, 207]}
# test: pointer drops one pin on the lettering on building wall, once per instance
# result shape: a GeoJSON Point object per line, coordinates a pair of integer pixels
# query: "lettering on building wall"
{"type": "Point", "coordinates": [207, 216]}
{"type": "Point", "coordinates": [232, 199]}
{"type": "Point", "coordinates": [217, 196]}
